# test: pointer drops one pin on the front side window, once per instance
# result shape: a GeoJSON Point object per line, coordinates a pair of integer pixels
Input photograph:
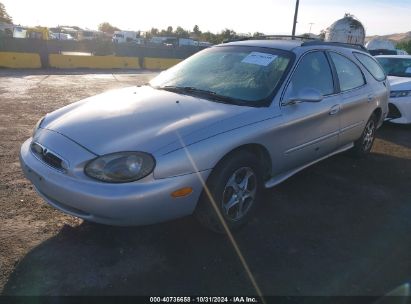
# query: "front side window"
{"type": "Point", "coordinates": [349, 74]}
{"type": "Point", "coordinates": [371, 65]}
{"type": "Point", "coordinates": [312, 72]}
{"type": "Point", "coordinates": [247, 75]}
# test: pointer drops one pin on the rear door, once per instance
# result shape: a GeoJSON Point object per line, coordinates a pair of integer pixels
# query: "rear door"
{"type": "Point", "coordinates": [356, 98]}
{"type": "Point", "coordinates": [377, 81]}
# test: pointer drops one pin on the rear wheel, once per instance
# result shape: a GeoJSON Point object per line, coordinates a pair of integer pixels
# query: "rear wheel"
{"type": "Point", "coordinates": [363, 145]}
{"type": "Point", "coordinates": [235, 187]}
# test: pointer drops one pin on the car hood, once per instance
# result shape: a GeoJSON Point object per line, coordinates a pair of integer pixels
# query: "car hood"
{"type": "Point", "coordinates": [144, 119]}
{"type": "Point", "coordinates": [399, 83]}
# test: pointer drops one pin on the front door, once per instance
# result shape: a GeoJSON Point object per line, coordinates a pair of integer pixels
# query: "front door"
{"type": "Point", "coordinates": [310, 129]}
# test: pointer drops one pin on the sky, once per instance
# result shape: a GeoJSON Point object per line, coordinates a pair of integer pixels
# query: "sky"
{"type": "Point", "coordinates": [380, 17]}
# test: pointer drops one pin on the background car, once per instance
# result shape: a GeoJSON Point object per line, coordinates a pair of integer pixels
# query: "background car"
{"type": "Point", "coordinates": [398, 69]}
{"type": "Point", "coordinates": [207, 135]}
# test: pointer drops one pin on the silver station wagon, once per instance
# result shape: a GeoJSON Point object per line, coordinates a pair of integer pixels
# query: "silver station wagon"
{"type": "Point", "coordinates": [206, 136]}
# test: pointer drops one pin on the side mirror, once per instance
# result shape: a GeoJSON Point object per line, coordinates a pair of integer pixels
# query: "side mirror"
{"type": "Point", "coordinates": [305, 95]}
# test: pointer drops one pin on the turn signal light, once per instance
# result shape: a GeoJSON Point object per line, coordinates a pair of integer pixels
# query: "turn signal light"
{"type": "Point", "coordinates": [182, 192]}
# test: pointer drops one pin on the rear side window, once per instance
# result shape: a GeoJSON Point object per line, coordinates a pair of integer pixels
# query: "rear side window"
{"type": "Point", "coordinates": [349, 74]}
{"type": "Point", "coordinates": [313, 72]}
{"type": "Point", "coordinates": [371, 65]}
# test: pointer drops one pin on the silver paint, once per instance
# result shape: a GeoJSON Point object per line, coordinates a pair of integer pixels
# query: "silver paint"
{"type": "Point", "coordinates": [144, 119]}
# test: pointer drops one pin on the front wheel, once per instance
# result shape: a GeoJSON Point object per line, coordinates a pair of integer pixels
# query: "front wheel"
{"type": "Point", "coordinates": [363, 145]}
{"type": "Point", "coordinates": [233, 191]}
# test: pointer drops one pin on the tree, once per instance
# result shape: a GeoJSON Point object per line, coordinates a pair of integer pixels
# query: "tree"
{"type": "Point", "coordinates": [181, 33]}
{"type": "Point", "coordinates": [258, 34]}
{"type": "Point", "coordinates": [322, 35]}
{"type": "Point", "coordinates": [404, 45]}
{"type": "Point", "coordinates": [227, 35]}
{"type": "Point", "coordinates": [151, 33]}
{"type": "Point", "coordinates": [4, 16]}
{"type": "Point", "coordinates": [166, 33]}
{"type": "Point", "coordinates": [210, 37]}
{"type": "Point", "coordinates": [106, 27]}
{"type": "Point", "coordinates": [196, 30]}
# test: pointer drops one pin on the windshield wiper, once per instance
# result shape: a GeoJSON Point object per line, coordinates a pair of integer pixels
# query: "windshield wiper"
{"type": "Point", "coordinates": [208, 94]}
{"type": "Point", "coordinates": [186, 89]}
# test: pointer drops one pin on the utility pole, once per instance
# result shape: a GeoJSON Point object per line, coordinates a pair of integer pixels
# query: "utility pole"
{"type": "Point", "coordinates": [295, 18]}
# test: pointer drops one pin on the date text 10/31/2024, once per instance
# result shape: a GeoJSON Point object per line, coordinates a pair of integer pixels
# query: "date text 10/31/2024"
{"type": "Point", "coordinates": [204, 299]}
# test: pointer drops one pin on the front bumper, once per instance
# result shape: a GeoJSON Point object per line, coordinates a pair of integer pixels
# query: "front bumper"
{"type": "Point", "coordinates": [143, 202]}
{"type": "Point", "coordinates": [403, 105]}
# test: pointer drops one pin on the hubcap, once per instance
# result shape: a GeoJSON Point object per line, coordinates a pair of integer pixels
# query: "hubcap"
{"type": "Point", "coordinates": [239, 193]}
{"type": "Point", "coordinates": [369, 135]}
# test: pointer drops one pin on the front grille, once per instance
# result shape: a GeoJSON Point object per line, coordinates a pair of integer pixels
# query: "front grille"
{"type": "Point", "coordinates": [393, 112]}
{"type": "Point", "coordinates": [47, 156]}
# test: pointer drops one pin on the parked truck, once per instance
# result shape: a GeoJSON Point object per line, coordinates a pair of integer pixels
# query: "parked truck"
{"type": "Point", "coordinates": [37, 32]}
{"type": "Point", "coordinates": [187, 42]}
{"type": "Point", "coordinates": [127, 36]}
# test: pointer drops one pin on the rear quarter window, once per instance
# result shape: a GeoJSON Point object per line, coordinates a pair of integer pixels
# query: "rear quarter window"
{"type": "Point", "coordinates": [371, 65]}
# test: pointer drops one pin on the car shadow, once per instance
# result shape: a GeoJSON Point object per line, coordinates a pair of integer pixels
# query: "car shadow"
{"type": "Point", "coordinates": [396, 133]}
{"type": "Point", "coordinates": [174, 257]}
{"type": "Point", "coordinates": [340, 227]}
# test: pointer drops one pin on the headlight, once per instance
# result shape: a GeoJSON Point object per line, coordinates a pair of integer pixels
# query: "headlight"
{"type": "Point", "coordinates": [120, 167]}
{"type": "Point", "coordinates": [37, 126]}
{"type": "Point", "coordinates": [395, 94]}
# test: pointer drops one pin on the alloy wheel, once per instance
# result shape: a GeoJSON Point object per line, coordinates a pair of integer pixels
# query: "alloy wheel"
{"type": "Point", "coordinates": [369, 133]}
{"type": "Point", "coordinates": [239, 193]}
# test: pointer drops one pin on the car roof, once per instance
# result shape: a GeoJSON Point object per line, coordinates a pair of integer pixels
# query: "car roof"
{"type": "Point", "coordinates": [394, 56]}
{"type": "Point", "coordinates": [287, 45]}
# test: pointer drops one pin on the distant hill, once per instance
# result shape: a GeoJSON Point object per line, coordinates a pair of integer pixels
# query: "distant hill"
{"type": "Point", "coordinates": [394, 37]}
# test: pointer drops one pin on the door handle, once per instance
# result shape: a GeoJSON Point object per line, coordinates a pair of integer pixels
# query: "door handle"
{"type": "Point", "coordinates": [334, 110]}
{"type": "Point", "coordinates": [370, 97]}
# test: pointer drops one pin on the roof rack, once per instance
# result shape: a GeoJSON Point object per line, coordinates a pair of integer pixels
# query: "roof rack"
{"type": "Point", "coordinates": [272, 37]}
{"type": "Point", "coordinates": [347, 45]}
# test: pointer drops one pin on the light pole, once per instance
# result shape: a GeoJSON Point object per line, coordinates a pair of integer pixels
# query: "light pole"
{"type": "Point", "coordinates": [295, 18]}
{"type": "Point", "coordinates": [311, 24]}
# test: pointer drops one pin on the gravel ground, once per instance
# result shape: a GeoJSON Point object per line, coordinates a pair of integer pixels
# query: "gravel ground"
{"type": "Point", "coordinates": [341, 227]}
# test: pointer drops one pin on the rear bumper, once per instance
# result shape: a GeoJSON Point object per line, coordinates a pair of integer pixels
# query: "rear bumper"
{"type": "Point", "coordinates": [143, 202]}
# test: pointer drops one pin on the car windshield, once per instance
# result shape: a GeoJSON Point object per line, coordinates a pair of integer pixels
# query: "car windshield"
{"type": "Point", "coordinates": [242, 75]}
{"type": "Point", "coordinates": [400, 67]}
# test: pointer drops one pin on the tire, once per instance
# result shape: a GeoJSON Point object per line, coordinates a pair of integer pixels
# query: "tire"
{"type": "Point", "coordinates": [363, 145]}
{"type": "Point", "coordinates": [235, 186]}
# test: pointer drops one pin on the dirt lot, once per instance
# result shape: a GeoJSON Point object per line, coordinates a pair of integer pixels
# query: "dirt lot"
{"type": "Point", "coordinates": [341, 227]}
